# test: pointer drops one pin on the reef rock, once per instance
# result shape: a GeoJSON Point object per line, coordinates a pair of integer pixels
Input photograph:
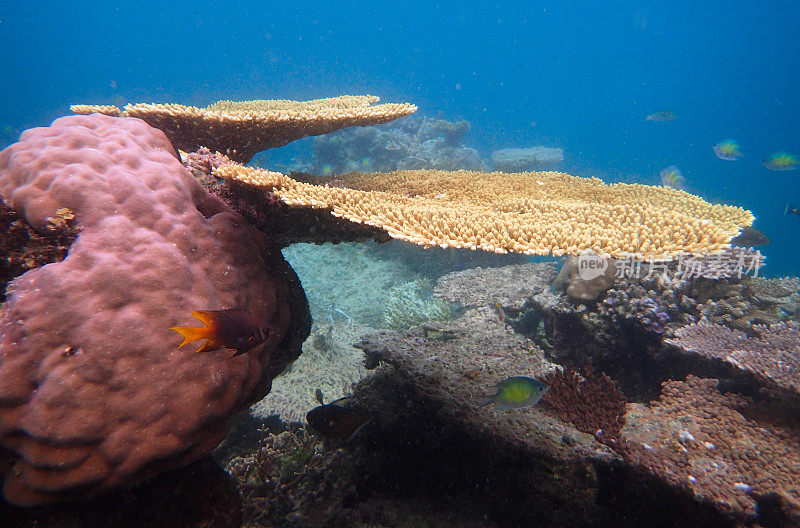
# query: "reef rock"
{"type": "Point", "coordinates": [431, 429]}
{"type": "Point", "coordinates": [94, 393]}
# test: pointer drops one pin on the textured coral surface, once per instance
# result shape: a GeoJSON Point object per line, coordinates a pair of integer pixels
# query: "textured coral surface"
{"type": "Point", "coordinates": [93, 389]}
{"type": "Point", "coordinates": [535, 213]}
{"type": "Point", "coordinates": [721, 447]}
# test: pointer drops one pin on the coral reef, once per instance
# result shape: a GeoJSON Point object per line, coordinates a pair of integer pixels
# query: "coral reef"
{"type": "Point", "coordinates": [742, 304]}
{"type": "Point", "coordinates": [329, 363]}
{"type": "Point", "coordinates": [623, 332]}
{"type": "Point", "coordinates": [22, 248]}
{"type": "Point", "coordinates": [720, 449]}
{"type": "Point", "coordinates": [530, 213]}
{"type": "Point", "coordinates": [412, 303]}
{"type": "Point", "coordinates": [727, 452]}
{"type": "Point", "coordinates": [591, 402]}
{"type": "Point", "coordinates": [526, 159]}
{"type": "Point", "coordinates": [200, 494]}
{"type": "Point", "coordinates": [412, 142]}
{"type": "Point", "coordinates": [240, 129]}
{"type": "Point", "coordinates": [508, 286]}
{"type": "Point", "coordinates": [291, 477]}
{"type": "Point", "coordinates": [525, 465]}
{"type": "Point", "coordinates": [773, 353]}
{"type": "Point", "coordinates": [93, 391]}
{"type": "Point", "coordinates": [433, 431]}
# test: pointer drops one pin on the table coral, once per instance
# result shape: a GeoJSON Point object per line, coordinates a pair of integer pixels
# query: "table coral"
{"type": "Point", "coordinates": [240, 129]}
{"type": "Point", "coordinates": [536, 213]}
{"type": "Point", "coordinates": [94, 393]}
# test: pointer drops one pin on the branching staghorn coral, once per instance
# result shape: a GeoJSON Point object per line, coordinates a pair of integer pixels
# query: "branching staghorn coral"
{"type": "Point", "coordinates": [412, 303]}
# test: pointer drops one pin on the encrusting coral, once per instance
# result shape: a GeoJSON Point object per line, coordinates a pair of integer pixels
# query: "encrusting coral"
{"type": "Point", "coordinates": [240, 129]}
{"type": "Point", "coordinates": [94, 393]}
{"type": "Point", "coordinates": [532, 213]}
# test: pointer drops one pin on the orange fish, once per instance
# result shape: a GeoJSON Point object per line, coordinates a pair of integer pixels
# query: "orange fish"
{"type": "Point", "coordinates": [234, 329]}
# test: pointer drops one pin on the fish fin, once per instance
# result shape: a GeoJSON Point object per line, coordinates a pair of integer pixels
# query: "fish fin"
{"type": "Point", "coordinates": [787, 208]}
{"type": "Point", "coordinates": [209, 345]}
{"type": "Point", "coordinates": [341, 401]}
{"type": "Point", "coordinates": [190, 333]}
{"type": "Point", "coordinates": [205, 316]}
{"type": "Point", "coordinates": [485, 399]}
{"type": "Point", "coordinates": [358, 429]}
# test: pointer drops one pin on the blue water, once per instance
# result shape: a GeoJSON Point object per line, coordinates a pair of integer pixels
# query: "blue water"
{"type": "Point", "coordinates": [572, 74]}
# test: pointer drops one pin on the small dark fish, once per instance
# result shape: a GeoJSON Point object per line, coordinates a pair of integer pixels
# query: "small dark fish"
{"type": "Point", "coordinates": [336, 422]}
{"type": "Point", "coordinates": [665, 115]}
{"type": "Point", "coordinates": [749, 237]}
{"type": "Point", "coordinates": [318, 396]}
{"type": "Point", "coordinates": [233, 329]}
{"type": "Point", "coordinates": [790, 209]}
{"type": "Point", "coordinates": [515, 393]}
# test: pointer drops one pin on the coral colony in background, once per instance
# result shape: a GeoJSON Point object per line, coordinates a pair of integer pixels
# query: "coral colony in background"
{"type": "Point", "coordinates": [151, 321]}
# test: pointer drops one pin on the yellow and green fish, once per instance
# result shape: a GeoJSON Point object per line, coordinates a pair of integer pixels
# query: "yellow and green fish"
{"type": "Point", "coordinates": [728, 150]}
{"type": "Point", "coordinates": [515, 393]}
{"type": "Point", "coordinates": [781, 161]}
{"type": "Point", "coordinates": [672, 177]}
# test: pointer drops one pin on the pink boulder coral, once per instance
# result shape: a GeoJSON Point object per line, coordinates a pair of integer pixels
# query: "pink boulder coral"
{"type": "Point", "coordinates": [94, 392]}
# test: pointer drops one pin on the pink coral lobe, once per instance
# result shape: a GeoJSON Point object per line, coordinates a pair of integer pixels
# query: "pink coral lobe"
{"type": "Point", "coordinates": [93, 390]}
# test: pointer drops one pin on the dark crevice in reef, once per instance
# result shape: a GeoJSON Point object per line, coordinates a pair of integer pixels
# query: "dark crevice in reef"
{"type": "Point", "coordinates": [23, 248]}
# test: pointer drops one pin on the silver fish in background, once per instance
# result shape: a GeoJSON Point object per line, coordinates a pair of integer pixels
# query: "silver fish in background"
{"type": "Point", "coordinates": [664, 115]}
